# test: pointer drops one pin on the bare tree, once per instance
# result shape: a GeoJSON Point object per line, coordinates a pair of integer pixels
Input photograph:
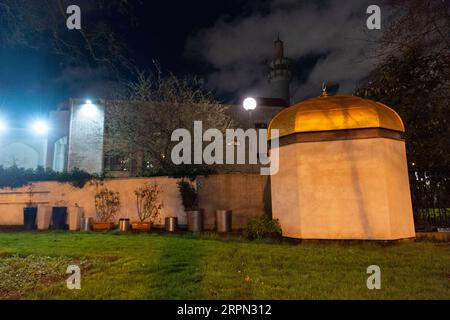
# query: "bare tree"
{"type": "Point", "coordinates": [140, 120]}
{"type": "Point", "coordinates": [415, 23]}
{"type": "Point", "coordinates": [41, 25]}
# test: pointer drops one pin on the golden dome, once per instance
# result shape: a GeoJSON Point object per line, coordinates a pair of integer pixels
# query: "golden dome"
{"type": "Point", "coordinates": [328, 113]}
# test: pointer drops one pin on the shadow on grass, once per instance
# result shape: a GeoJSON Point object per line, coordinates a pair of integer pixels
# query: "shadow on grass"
{"type": "Point", "coordinates": [202, 266]}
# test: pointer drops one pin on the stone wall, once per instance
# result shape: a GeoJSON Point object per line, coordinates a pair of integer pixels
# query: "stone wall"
{"type": "Point", "coordinates": [248, 195]}
{"type": "Point", "coordinates": [242, 193]}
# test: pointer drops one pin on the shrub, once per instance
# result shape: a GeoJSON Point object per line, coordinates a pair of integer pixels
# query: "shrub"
{"type": "Point", "coordinates": [263, 227]}
{"type": "Point", "coordinates": [107, 203]}
{"type": "Point", "coordinates": [189, 195]}
{"type": "Point", "coordinates": [77, 178]}
{"type": "Point", "coordinates": [148, 205]}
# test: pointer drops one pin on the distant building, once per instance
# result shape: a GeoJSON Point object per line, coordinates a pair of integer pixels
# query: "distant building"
{"type": "Point", "coordinates": [76, 133]}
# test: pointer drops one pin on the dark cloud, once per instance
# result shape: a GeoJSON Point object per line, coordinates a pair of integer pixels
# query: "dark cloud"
{"type": "Point", "coordinates": [334, 32]}
{"type": "Point", "coordinates": [85, 82]}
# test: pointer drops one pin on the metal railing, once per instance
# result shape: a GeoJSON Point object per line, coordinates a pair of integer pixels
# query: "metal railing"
{"type": "Point", "coordinates": [430, 193]}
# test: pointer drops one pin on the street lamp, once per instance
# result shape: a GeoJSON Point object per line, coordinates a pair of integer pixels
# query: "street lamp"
{"type": "Point", "coordinates": [250, 105]}
{"type": "Point", "coordinates": [40, 127]}
{"type": "Point", "coordinates": [3, 126]}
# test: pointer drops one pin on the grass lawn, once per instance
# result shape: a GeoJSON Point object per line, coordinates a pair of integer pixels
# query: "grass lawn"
{"type": "Point", "coordinates": [154, 266]}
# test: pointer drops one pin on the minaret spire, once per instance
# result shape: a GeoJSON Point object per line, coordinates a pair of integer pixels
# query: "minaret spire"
{"type": "Point", "coordinates": [279, 49]}
{"type": "Point", "coordinates": [280, 74]}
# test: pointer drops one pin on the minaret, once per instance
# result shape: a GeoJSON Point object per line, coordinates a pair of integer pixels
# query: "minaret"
{"type": "Point", "coordinates": [280, 74]}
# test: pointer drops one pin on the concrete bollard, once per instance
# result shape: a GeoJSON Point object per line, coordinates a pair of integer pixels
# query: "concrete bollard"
{"type": "Point", "coordinates": [75, 215]}
{"type": "Point", "coordinates": [44, 217]}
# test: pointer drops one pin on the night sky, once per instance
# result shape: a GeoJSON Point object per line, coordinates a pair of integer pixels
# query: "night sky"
{"type": "Point", "coordinates": [228, 43]}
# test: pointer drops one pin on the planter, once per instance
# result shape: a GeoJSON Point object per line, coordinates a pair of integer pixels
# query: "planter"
{"type": "Point", "coordinates": [75, 215]}
{"type": "Point", "coordinates": [171, 224]}
{"type": "Point", "coordinates": [141, 226]}
{"type": "Point", "coordinates": [223, 221]}
{"type": "Point", "coordinates": [195, 220]}
{"type": "Point", "coordinates": [124, 225]}
{"type": "Point", "coordinates": [103, 226]}
{"type": "Point", "coordinates": [29, 218]}
{"type": "Point", "coordinates": [86, 224]}
{"type": "Point", "coordinates": [44, 217]}
{"type": "Point", "coordinates": [59, 218]}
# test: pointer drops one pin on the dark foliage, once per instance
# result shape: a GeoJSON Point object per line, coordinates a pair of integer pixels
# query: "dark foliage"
{"type": "Point", "coordinates": [263, 227]}
{"type": "Point", "coordinates": [183, 171]}
{"type": "Point", "coordinates": [189, 195]}
{"type": "Point", "coordinates": [417, 87]}
{"type": "Point", "coordinates": [412, 75]}
{"type": "Point", "coordinates": [430, 192]}
{"type": "Point", "coordinates": [15, 177]}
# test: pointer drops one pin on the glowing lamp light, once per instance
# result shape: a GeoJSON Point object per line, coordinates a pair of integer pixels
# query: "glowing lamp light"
{"type": "Point", "coordinates": [3, 126]}
{"type": "Point", "coordinates": [40, 127]}
{"type": "Point", "coordinates": [250, 104]}
{"type": "Point", "coordinates": [89, 109]}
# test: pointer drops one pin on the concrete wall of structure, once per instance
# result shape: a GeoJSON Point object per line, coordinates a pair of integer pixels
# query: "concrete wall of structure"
{"type": "Point", "coordinates": [86, 137]}
{"type": "Point", "coordinates": [349, 189]}
{"type": "Point", "coordinates": [243, 194]}
{"type": "Point", "coordinates": [23, 148]}
{"type": "Point", "coordinates": [60, 122]}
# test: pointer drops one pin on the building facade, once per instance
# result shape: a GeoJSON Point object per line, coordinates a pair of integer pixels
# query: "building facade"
{"type": "Point", "coordinates": [76, 130]}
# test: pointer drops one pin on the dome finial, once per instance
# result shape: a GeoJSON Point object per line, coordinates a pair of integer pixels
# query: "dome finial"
{"type": "Point", "coordinates": [324, 90]}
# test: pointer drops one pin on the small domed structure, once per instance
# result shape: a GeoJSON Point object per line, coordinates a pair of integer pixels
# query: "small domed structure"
{"type": "Point", "coordinates": [329, 113]}
{"type": "Point", "coordinates": [342, 171]}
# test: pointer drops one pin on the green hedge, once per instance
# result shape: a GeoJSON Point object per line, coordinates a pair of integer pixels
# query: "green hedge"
{"type": "Point", "coordinates": [15, 177]}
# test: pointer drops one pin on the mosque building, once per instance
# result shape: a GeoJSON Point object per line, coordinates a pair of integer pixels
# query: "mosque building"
{"type": "Point", "coordinates": [342, 167]}
{"type": "Point", "coordinates": [343, 171]}
{"type": "Point", "coordinates": [76, 130]}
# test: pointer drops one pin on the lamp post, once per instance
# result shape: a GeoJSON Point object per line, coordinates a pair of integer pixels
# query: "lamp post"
{"type": "Point", "coordinates": [250, 104]}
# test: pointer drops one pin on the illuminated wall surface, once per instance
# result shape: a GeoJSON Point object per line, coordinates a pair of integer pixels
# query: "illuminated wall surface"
{"type": "Point", "coordinates": [343, 171]}
{"type": "Point", "coordinates": [85, 148]}
{"type": "Point", "coordinates": [217, 191]}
